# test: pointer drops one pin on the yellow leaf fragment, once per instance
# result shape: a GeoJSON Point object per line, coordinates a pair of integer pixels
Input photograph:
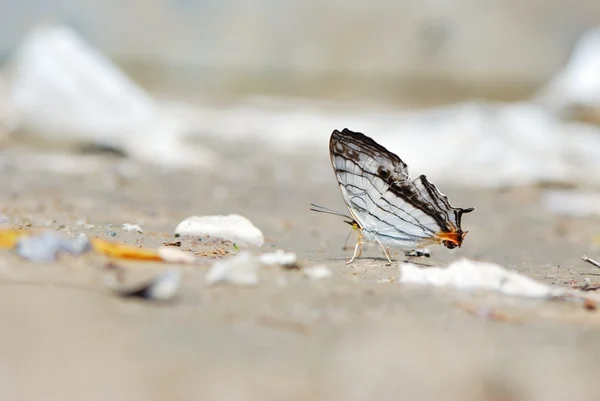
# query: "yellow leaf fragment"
{"type": "Point", "coordinates": [9, 237]}
{"type": "Point", "coordinates": [123, 251]}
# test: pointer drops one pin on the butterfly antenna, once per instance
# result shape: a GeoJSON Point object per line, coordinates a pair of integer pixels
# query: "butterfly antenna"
{"type": "Point", "coordinates": [323, 209]}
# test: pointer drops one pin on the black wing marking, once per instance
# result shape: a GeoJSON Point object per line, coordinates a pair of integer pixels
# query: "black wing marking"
{"type": "Point", "coordinates": [380, 195]}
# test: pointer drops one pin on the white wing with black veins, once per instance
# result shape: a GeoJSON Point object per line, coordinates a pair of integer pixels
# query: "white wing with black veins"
{"type": "Point", "coordinates": [382, 198]}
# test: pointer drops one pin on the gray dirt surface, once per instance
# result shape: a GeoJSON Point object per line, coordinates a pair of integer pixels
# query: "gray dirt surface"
{"type": "Point", "coordinates": [352, 337]}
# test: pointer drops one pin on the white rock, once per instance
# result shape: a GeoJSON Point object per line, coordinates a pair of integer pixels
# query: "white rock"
{"type": "Point", "coordinates": [132, 228]}
{"type": "Point", "coordinates": [578, 83]}
{"type": "Point", "coordinates": [175, 255]}
{"type": "Point", "coordinates": [318, 272]}
{"type": "Point", "coordinates": [62, 89]}
{"type": "Point", "coordinates": [165, 286]}
{"type": "Point", "coordinates": [468, 275]}
{"type": "Point", "coordinates": [278, 258]}
{"type": "Point", "coordinates": [233, 227]}
{"type": "Point", "coordinates": [242, 269]}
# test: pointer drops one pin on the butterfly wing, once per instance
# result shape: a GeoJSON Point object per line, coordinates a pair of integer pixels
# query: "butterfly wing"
{"type": "Point", "coordinates": [381, 197]}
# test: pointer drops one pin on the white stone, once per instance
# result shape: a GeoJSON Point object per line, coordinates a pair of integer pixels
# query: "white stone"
{"type": "Point", "coordinates": [318, 272]}
{"type": "Point", "coordinates": [132, 228]}
{"type": "Point", "coordinates": [233, 227]}
{"type": "Point", "coordinates": [165, 286]}
{"type": "Point", "coordinates": [278, 258]}
{"type": "Point", "coordinates": [242, 269]}
{"type": "Point", "coordinates": [465, 274]}
{"type": "Point", "coordinates": [175, 255]}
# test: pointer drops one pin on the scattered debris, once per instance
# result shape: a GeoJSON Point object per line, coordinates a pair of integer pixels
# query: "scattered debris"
{"type": "Point", "coordinates": [242, 269]}
{"type": "Point", "coordinates": [47, 246]}
{"type": "Point", "coordinates": [468, 275]}
{"type": "Point", "coordinates": [132, 228]}
{"type": "Point", "coordinates": [84, 224]}
{"type": "Point", "coordinates": [175, 255]}
{"type": "Point", "coordinates": [215, 253]}
{"type": "Point", "coordinates": [587, 286]}
{"type": "Point", "coordinates": [172, 243]}
{"type": "Point", "coordinates": [42, 246]}
{"type": "Point", "coordinates": [286, 260]}
{"type": "Point", "coordinates": [590, 261]}
{"type": "Point", "coordinates": [233, 227]}
{"type": "Point", "coordinates": [318, 272]}
{"type": "Point", "coordinates": [111, 233]}
{"type": "Point", "coordinates": [488, 313]}
{"type": "Point", "coordinates": [163, 287]}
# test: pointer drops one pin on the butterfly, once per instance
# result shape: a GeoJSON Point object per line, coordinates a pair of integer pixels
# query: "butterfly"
{"type": "Point", "coordinates": [387, 206]}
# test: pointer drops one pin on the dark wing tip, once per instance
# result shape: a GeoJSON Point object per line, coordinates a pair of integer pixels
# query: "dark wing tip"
{"type": "Point", "coordinates": [344, 132]}
{"type": "Point", "coordinates": [460, 213]}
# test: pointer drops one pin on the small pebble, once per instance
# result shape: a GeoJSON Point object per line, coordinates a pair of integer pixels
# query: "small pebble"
{"type": "Point", "coordinates": [162, 288]}
{"type": "Point", "coordinates": [240, 270]}
{"type": "Point", "coordinates": [318, 272]}
{"type": "Point", "coordinates": [111, 233]}
{"type": "Point", "coordinates": [132, 228]}
{"type": "Point", "coordinates": [84, 224]}
{"type": "Point", "coordinates": [279, 258]}
{"type": "Point", "coordinates": [176, 255]}
{"type": "Point", "coordinates": [47, 246]}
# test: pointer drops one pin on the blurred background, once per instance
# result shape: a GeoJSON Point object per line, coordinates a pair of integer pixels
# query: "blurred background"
{"type": "Point", "coordinates": [147, 112]}
{"type": "Point", "coordinates": [508, 90]}
{"type": "Point", "coordinates": [334, 48]}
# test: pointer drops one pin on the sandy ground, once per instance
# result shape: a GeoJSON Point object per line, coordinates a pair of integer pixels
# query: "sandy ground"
{"type": "Point", "coordinates": [65, 337]}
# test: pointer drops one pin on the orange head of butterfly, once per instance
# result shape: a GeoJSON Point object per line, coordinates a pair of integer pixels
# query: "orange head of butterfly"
{"type": "Point", "coordinates": [452, 239]}
{"type": "Point", "coordinates": [455, 236]}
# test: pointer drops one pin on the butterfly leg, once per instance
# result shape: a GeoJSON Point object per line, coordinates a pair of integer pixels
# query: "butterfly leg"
{"type": "Point", "coordinates": [357, 249]}
{"type": "Point", "coordinates": [387, 255]}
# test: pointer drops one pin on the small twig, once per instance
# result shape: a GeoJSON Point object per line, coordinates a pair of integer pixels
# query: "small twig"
{"type": "Point", "coordinates": [590, 261]}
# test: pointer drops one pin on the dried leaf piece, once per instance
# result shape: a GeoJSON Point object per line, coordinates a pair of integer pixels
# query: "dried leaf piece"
{"type": "Point", "coordinates": [123, 251]}
{"type": "Point", "coordinates": [9, 237]}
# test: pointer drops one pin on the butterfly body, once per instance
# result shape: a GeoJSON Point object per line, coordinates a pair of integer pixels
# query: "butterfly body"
{"type": "Point", "coordinates": [385, 204]}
